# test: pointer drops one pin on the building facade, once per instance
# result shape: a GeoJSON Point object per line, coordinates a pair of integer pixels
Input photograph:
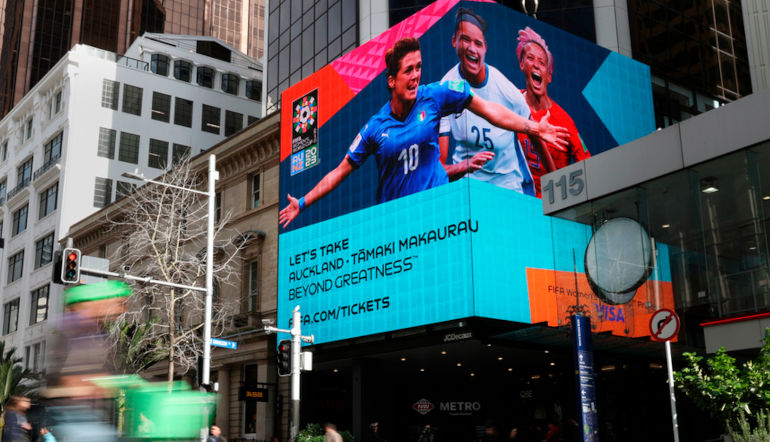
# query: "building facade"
{"type": "Point", "coordinates": [36, 34]}
{"type": "Point", "coordinates": [248, 191]}
{"type": "Point", "coordinates": [93, 117]}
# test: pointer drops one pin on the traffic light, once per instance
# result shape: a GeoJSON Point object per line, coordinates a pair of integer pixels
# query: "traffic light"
{"type": "Point", "coordinates": [70, 269]}
{"type": "Point", "coordinates": [284, 357]}
{"type": "Point", "coordinates": [56, 270]}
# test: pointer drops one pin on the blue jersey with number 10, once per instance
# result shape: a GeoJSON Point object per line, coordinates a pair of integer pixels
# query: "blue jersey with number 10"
{"type": "Point", "coordinates": [407, 152]}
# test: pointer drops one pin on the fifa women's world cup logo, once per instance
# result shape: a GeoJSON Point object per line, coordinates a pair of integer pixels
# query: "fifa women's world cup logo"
{"type": "Point", "coordinates": [304, 135]}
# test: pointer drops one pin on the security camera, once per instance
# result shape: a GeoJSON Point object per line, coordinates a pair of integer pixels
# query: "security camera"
{"type": "Point", "coordinates": [267, 322]}
{"type": "Point", "coordinates": [125, 268]}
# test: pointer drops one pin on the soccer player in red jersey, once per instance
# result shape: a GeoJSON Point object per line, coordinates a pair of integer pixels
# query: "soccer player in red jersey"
{"type": "Point", "coordinates": [536, 62]}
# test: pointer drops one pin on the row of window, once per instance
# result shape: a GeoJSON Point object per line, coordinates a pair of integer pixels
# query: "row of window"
{"type": "Point", "coordinates": [51, 154]}
{"type": "Point", "coordinates": [43, 256]}
{"type": "Point", "coordinates": [128, 149]}
{"type": "Point", "coordinates": [54, 107]}
{"type": "Point", "coordinates": [204, 76]}
{"type": "Point", "coordinates": [38, 312]}
{"type": "Point", "coordinates": [47, 203]}
{"type": "Point", "coordinates": [211, 116]}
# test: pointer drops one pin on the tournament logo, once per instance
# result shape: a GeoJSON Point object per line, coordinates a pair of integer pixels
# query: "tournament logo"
{"type": "Point", "coordinates": [304, 134]}
{"type": "Point", "coordinates": [421, 117]}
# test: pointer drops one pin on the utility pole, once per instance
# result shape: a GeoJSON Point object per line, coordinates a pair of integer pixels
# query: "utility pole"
{"type": "Point", "coordinates": [296, 366]}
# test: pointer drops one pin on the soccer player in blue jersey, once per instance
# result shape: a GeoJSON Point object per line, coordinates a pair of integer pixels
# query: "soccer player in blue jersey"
{"type": "Point", "coordinates": [483, 151]}
{"type": "Point", "coordinates": [403, 135]}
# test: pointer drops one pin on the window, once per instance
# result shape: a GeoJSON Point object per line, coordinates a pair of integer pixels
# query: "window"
{"type": "Point", "coordinates": [43, 250]}
{"type": "Point", "coordinates": [102, 192]}
{"type": "Point", "coordinates": [183, 112]}
{"type": "Point", "coordinates": [15, 266]}
{"type": "Point", "coordinates": [28, 130]}
{"type": "Point", "coordinates": [254, 90]}
{"type": "Point", "coordinates": [158, 154]}
{"type": "Point", "coordinates": [110, 93]}
{"type": "Point", "coordinates": [233, 122]}
{"type": "Point", "coordinates": [218, 207]}
{"type": "Point", "coordinates": [4, 151]}
{"type": "Point", "coordinates": [251, 119]}
{"type": "Point", "coordinates": [205, 77]}
{"type": "Point", "coordinates": [161, 106]}
{"type": "Point", "coordinates": [52, 149]}
{"type": "Point", "coordinates": [24, 173]}
{"type": "Point", "coordinates": [57, 103]}
{"type": "Point", "coordinates": [132, 100]}
{"type": "Point", "coordinates": [34, 356]}
{"type": "Point", "coordinates": [253, 286]}
{"type": "Point", "coordinates": [183, 70]}
{"type": "Point", "coordinates": [210, 119]}
{"type": "Point", "coordinates": [179, 153]}
{"type": "Point", "coordinates": [256, 185]}
{"type": "Point", "coordinates": [123, 189]}
{"type": "Point", "coordinates": [20, 220]}
{"type": "Point", "coordinates": [48, 199]}
{"type": "Point", "coordinates": [159, 64]}
{"type": "Point", "coordinates": [11, 316]}
{"type": "Point", "coordinates": [129, 148]}
{"type": "Point", "coordinates": [106, 147]}
{"type": "Point", "coordinates": [230, 83]}
{"type": "Point", "coordinates": [3, 189]}
{"type": "Point", "coordinates": [38, 311]}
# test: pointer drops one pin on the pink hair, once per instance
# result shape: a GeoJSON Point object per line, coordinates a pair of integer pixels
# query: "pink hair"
{"type": "Point", "coordinates": [526, 36]}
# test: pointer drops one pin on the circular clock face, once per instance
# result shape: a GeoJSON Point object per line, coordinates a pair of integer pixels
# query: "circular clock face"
{"type": "Point", "coordinates": [618, 260]}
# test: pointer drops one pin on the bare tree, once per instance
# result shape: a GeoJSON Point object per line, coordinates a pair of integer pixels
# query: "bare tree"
{"type": "Point", "coordinates": [164, 238]}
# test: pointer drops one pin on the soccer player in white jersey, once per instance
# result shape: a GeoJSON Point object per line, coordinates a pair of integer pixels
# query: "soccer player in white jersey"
{"type": "Point", "coordinates": [484, 151]}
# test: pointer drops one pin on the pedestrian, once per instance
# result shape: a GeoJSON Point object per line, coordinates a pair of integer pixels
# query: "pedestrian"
{"type": "Point", "coordinates": [17, 428]}
{"type": "Point", "coordinates": [331, 433]}
{"type": "Point", "coordinates": [426, 434]}
{"type": "Point", "coordinates": [46, 435]}
{"type": "Point", "coordinates": [216, 435]}
{"type": "Point", "coordinates": [374, 433]}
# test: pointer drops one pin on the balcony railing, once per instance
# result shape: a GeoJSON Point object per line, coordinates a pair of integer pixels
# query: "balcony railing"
{"type": "Point", "coordinates": [44, 168]}
{"type": "Point", "coordinates": [13, 192]}
{"type": "Point", "coordinates": [133, 63]}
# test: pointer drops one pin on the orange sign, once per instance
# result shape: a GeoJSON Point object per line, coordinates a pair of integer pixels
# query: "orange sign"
{"type": "Point", "coordinates": [552, 292]}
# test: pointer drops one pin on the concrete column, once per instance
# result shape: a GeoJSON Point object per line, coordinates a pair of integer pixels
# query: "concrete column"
{"type": "Point", "coordinates": [612, 27]}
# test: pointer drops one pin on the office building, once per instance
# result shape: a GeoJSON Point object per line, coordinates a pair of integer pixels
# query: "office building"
{"type": "Point", "coordinates": [94, 116]}
{"type": "Point", "coordinates": [36, 34]}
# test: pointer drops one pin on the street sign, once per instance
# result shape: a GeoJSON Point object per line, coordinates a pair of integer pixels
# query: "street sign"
{"type": "Point", "coordinates": [224, 344]}
{"type": "Point", "coordinates": [664, 325]}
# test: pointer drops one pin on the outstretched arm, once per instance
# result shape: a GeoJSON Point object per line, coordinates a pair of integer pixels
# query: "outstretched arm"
{"type": "Point", "coordinates": [503, 117]}
{"type": "Point", "coordinates": [470, 165]}
{"type": "Point", "coordinates": [326, 185]}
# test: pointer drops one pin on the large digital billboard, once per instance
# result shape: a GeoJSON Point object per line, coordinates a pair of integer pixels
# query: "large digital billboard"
{"type": "Point", "coordinates": [410, 175]}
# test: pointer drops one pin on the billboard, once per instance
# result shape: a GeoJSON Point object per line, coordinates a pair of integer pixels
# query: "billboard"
{"type": "Point", "coordinates": [405, 205]}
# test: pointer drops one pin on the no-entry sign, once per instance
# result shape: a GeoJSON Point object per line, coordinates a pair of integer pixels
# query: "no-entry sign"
{"type": "Point", "coordinates": [664, 325]}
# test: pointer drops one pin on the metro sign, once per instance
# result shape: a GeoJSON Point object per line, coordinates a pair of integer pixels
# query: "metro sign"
{"type": "Point", "coordinates": [423, 406]}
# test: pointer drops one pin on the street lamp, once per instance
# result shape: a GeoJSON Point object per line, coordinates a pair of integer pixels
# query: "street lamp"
{"type": "Point", "coordinates": [211, 194]}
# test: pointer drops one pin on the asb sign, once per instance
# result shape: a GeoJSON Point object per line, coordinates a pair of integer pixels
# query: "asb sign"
{"type": "Point", "coordinates": [410, 174]}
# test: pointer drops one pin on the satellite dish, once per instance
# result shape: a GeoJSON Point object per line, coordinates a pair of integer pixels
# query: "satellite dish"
{"type": "Point", "coordinates": [618, 260]}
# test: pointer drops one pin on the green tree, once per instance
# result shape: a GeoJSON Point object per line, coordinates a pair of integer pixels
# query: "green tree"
{"type": "Point", "coordinates": [736, 394]}
{"type": "Point", "coordinates": [132, 352]}
{"type": "Point", "coordinates": [15, 380]}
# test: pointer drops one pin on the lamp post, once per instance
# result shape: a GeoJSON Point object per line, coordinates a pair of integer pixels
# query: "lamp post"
{"type": "Point", "coordinates": [211, 194]}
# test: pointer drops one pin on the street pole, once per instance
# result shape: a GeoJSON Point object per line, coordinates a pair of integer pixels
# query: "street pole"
{"type": "Point", "coordinates": [296, 343]}
{"type": "Point", "coordinates": [213, 176]}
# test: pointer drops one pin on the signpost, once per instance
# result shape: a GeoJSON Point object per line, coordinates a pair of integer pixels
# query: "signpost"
{"type": "Point", "coordinates": [232, 345]}
{"type": "Point", "coordinates": [664, 326]}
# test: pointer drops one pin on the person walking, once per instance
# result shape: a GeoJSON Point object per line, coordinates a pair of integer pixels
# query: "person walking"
{"type": "Point", "coordinates": [17, 428]}
{"type": "Point", "coordinates": [331, 434]}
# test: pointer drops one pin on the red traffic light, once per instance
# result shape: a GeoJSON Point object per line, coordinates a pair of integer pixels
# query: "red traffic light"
{"type": "Point", "coordinates": [72, 257]}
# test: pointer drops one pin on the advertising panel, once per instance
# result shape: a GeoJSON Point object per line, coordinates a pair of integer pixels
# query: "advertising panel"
{"type": "Point", "coordinates": [406, 205]}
